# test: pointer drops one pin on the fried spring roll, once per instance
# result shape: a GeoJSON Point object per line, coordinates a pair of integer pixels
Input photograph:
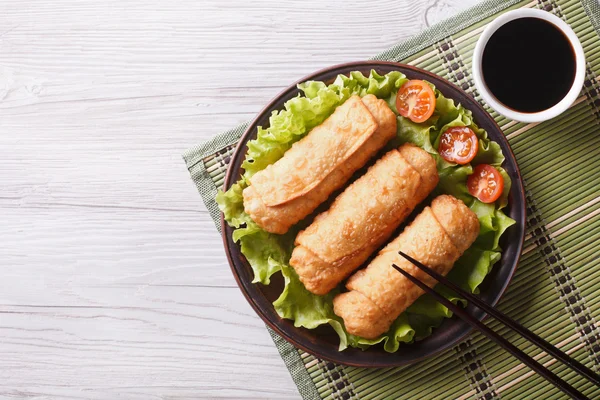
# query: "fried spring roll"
{"type": "Point", "coordinates": [362, 218]}
{"type": "Point", "coordinates": [379, 294]}
{"type": "Point", "coordinates": [290, 189]}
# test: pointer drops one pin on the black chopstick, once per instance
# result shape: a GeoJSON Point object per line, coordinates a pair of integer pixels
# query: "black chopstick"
{"type": "Point", "coordinates": [530, 362]}
{"type": "Point", "coordinates": [511, 323]}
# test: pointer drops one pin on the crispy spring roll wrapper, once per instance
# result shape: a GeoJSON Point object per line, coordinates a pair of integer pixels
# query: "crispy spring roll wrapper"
{"type": "Point", "coordinates": [379, 294]}
{"type": "Point", "coordinates": [320, 163]}
{"type": "Point", "coordinates": [362, 218]}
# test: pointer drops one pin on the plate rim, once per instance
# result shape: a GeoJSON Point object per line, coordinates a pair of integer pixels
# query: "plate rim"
{"type": "Point", "coordinates": [373, 64]}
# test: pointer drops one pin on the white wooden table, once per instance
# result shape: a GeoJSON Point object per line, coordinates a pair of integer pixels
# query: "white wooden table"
{"type": "Point", "coordinates": [113, 279]}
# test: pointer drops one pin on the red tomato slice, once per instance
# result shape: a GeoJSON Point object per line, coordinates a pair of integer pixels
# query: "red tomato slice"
{"type": "Point", "coordinates": [415, 100]}
{"type": "Point", "coordinates": [458, 144]}
{"type": "Point", "coordinates": [485, 183]}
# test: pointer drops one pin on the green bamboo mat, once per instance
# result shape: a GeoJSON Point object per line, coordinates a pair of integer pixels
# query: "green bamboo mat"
{"type": "Point", "coordinates": [555, 291]}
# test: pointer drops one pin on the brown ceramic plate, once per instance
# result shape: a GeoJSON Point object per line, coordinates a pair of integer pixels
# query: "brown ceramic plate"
{"type": "Point", "coordinates": [323, 341]}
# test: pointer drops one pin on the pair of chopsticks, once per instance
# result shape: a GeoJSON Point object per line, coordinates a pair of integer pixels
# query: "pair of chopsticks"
{"type": "Point", "coordinates": [511, 323]}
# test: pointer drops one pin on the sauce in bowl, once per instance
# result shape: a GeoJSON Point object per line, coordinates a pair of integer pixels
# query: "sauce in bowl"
{"type": "Point", "coordinates": [528, 65]}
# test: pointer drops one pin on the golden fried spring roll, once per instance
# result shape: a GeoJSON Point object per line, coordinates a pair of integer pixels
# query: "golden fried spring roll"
{"type": "Point", "coordinates": [379, 294]}
{"type": "Point", "coordinates": [320, 163]}
{"type": "Point", "coordinates": [363, 217]}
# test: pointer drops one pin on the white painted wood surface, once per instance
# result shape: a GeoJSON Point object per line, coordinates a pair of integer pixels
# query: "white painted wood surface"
{"type": "Point", "coordinates": [113, 280]}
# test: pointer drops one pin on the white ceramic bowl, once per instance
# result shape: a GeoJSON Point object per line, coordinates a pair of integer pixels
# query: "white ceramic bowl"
{"type": "Point", "coordinates": [551, 112]}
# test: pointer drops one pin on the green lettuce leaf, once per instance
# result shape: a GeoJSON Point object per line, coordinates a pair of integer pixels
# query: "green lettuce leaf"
{"type": "Point", "coordinates": [231, 204]}
{"type": "Point", "coordinates": [269, 253]}
{"type": "Point", "coordinates": [264, 252]}
{"type": "Point", "coordinates": [472, 267]}
{"type": "Point", "coordinates": [306, 309]}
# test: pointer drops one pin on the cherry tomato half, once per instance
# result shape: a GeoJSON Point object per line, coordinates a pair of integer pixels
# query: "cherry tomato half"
{"type": "Point", "coordinates": [485, 183]}
{"type": "Point", "coordinates": [415, 100]}
{"type": "Point", "coordinates": [458, 144]}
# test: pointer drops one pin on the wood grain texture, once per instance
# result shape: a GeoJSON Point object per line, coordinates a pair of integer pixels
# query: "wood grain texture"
{"type": "Point", "coordinates": [114, 282]}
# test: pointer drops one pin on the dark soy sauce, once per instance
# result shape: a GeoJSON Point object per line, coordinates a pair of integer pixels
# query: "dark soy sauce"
{"type": "Point", "coordinates": [528, 64]}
